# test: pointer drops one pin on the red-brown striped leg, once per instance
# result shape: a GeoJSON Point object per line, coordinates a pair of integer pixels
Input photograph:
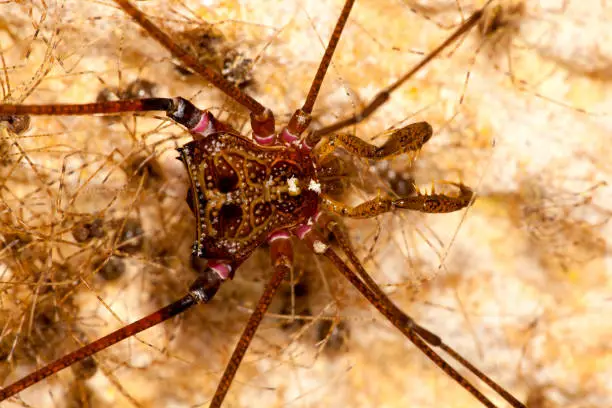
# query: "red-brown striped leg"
{"type": "Point", "coordinates": [328, 223]}
{"type": "Point", "coordinates": [301, 118]}
{"type": "Point", "coordinates": [202, 291]}
{"type": "Point", "coordinates": [281, 252]}
{"type": "Point", "coordinates": [261, 118]}
{"type": "Point", "coordinates": [416, 334]}
{"type": "Point", "coordinates": [108, 107]}
{"type": "Point", "coordinates": [200, 123]}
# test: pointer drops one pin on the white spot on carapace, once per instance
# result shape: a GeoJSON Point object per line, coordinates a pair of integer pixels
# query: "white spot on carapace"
{"type": "Point", "coordinates": [319, 247]}
{"type": "Point", "coordinates": [294, 188]}
{"type": "Point", "coordinates": [314, 186]}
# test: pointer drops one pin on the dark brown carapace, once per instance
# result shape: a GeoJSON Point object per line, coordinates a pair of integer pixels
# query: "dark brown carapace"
{"type": "Point", "coordinates": [241, 192]}
{"type": "Point", "coordinates": [272, 188]}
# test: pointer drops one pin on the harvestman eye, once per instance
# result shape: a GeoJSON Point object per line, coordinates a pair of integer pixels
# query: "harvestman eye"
{"type": "Point", "coordinates": [271, 193]}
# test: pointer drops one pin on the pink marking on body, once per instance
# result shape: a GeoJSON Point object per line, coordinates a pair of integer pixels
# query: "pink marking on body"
{"type": "Point", "coordinates": [283, 234]}
{"type": "Point", "coordinates": [288, 137]}
{"type": "Point", "coordinates": [304, 147]}
{"type": "Point", "coordinates": [302, 230]}
{"type": "Point", "coordinates": [223, 270]}
{"type": "Point", "coordinates": [264, 140]}
{"type": "Point", "coordinates": [204, 126]}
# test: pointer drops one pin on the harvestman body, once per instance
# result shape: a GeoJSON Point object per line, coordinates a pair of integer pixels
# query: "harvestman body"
{"type": "Point", "coordinates": [245, 192]}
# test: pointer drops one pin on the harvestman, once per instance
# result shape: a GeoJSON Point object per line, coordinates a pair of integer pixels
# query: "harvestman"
{"type": "Point", "coordinates": [246, 192]}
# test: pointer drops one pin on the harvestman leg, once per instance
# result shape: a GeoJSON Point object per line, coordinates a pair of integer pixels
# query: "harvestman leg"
{"type": "Point", "coordinates": [201, 291]}
{"type": "Point", "coordinates": [410, 138]}
{"type": "Point", "coordinates": [281, 252]}
{"type": "Point", "coordinates": [175, 109]}
{"type": "Point", "coordinates": [383, 96]}
{"type": "Point", "coordinates": [418, 335]}
{"type": "Point", "coordinates": [262, 119]}
{"type": "Point", "coordinates": [328, 223]}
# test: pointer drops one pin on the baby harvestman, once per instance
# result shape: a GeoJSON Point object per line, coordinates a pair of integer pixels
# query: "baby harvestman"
{"type": "Point", "coordinates": [272, 189]}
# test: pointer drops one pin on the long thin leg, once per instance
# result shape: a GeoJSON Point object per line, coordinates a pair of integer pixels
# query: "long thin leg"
{"type": "Point", "coordinates": [405, 324]}
{"type": "Point", "coordinates": [258, 110]}
{"type": "Point", "coordinates": [326, 222]}
{"type": "Point", "coordinates": [199, 122]}
{"type": "Point", "coordinates": [301, 118]}
{"type": "Point", "coordinates": [327, 57]}
{"type": "Point", "coordinates": [382, 97]}
{"type": "Point", "coordinates": [344, 243]}
{"type": "Point", "coordinates": [282, 256]}
{"type": "Point", "coordinates": [109, 107]}
{"type": "Point", "coordinates": [189, 61]}
{"type": "Point", "coordinates": [202, 291]}
{"type": "Point", "coordinates": [428, 203]}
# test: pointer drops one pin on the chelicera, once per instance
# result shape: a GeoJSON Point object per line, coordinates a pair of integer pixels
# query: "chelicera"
{"type": "Point", "coordinates": [272, 188]}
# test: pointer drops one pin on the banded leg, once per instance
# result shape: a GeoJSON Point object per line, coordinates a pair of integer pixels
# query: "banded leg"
{"type": "Point", "coordinates": [108, 107]}
{"type": "Point", "coordinates": [199, 122]}
{"type": "Point", "coordinates": [301, 118]}
{"type": "Point", "coordinates": [410, 138]}
{"type": "Point", "coordinates": [432, 339]}
{"type": "Point", "coordinates": [281, 253]}
{"type": "Point", "coordinates": [419, 336]}
{"type": "Point", "coordinates": [202, 291]}
{"type": "Point", "coordinates": [427, 203]}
